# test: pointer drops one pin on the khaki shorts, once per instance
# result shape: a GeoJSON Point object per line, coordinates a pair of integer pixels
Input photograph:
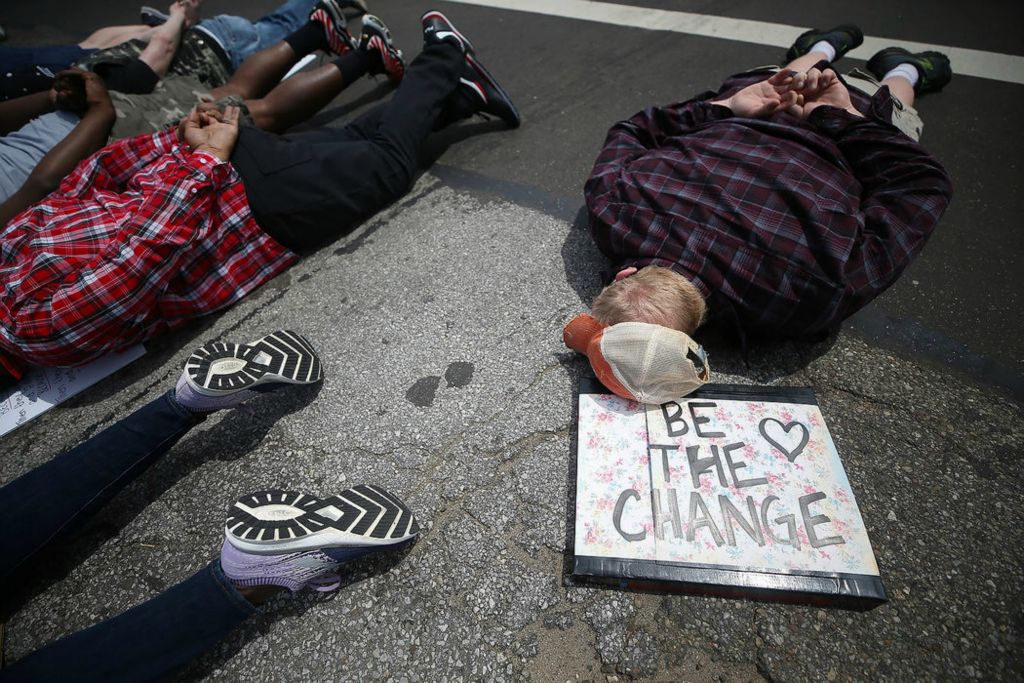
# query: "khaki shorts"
{"type": "Point", "coordinates": [171, 101]}
{"type": "Point", "coordinates": [196, 56]}
{"type": "Point", "coordinates": [904, 116]}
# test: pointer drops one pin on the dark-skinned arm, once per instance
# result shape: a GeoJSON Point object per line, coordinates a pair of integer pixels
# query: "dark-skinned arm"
{"type": "Point", "coordinates": [17, 112]}
{"type": "Point", "coordinates": [88, 136]}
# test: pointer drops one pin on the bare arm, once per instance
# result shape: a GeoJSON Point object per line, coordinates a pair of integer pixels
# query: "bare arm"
{"type": "Point", "coordinates": [163, 44]}
{"type": "Point", "coordinates": [17, 112]}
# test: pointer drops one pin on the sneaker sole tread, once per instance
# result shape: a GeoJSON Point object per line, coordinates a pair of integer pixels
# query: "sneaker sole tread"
{"type": "Point", "coordinates": [222, 368]}
{"type": "Point", "coordinates": [277, 521]}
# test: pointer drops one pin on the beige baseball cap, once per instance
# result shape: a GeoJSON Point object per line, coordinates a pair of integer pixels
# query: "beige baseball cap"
{"type": "Point", "coordinates": [640, 361]}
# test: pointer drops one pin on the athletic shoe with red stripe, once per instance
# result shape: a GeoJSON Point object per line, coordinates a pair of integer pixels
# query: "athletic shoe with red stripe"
{"type": "Point", "coordinates": [488, 96]}
{"type": "Point", "coordinates": [377, 38]}
{"type": "Point", "coordinates": [329, 14]}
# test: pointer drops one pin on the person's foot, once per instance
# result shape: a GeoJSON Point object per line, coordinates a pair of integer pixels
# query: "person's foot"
{"type": "Point", "coordinates": [151, 16]}
{"type": "Point", "coordinates": [294, 540]}
{"type": "Point", "coordinates": [221, 375]}
{"type": "Point", "coordinates": [842, 38]}
{"type": "Point", "coordinates": [329, 14]}
{"type": "Point", "coordinates": [377, 39]}
{"type": "Point", "coordinates": [437, 29]}
{"type": "Point", "coordinates": [486, 95]}
{"type": "Point", "coordinates": [933, 68]}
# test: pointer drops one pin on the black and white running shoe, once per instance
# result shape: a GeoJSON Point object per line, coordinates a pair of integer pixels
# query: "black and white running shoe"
{"type": "Point", "coordinates": [222, 375]}
{"type": "Point", "coordinates": [437, 29]}
{"type": "Point", "coordinates": [274, 522]}
{"type": "Point", "coordinates": [296, 541]}
{"type": "Point", "coordinates": [487, 95]}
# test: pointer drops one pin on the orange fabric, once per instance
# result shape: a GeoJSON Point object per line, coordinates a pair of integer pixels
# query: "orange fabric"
{"type": "Point", "coordinates": [578, 334]}
{"type": "Point", "coordinates": [604, 371]}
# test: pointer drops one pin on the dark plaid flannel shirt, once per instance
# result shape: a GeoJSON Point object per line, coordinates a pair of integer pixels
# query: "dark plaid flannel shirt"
{"type": "Point", "coordinates": [786, 226]}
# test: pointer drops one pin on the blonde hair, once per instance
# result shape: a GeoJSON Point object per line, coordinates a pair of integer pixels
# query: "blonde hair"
{"type": "Point", "coordinates": [652, 295]}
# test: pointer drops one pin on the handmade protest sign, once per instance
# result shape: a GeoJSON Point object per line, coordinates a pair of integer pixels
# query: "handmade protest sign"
{"type": "Point", "coordinates": [735, 490]}
{"type": "Point", "coordinates": [43, 388]}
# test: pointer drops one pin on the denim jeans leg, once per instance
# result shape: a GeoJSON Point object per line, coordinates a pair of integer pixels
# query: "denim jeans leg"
{"type": "Point", "coordinates": [55, 498]}
{"type": "Point", "coordinates": [237, 35]}
{"type": "Point", "coordinates": [289, 17]}
{"type": "Point", "coordinates": [146, 643]}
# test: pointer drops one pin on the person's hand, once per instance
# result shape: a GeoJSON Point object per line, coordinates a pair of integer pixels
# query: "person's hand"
{"type": "Point", "coordinates": [191, 9]}
{"type": "Point", "coordinates": [187, 11]}
{"type": "Point", "coordinates": [764, 98]}
{"type": "Point", "coordinates": [95, 90]}
{"type": "Point", "coordinates": [78, 91]}
{"type": "Point", "coordinates": [211, 131]}
{"type": "Point", "coordinates": [822, 88]}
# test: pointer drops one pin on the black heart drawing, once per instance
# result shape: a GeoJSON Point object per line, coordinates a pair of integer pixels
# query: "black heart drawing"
{"type": "Point", "coordinates": [790, 454]}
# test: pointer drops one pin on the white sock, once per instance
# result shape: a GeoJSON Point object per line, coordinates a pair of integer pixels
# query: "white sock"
{"type": "Point", "coordinates": [905, 70]}
{"type": "Point", "coordinates": [825, 47]}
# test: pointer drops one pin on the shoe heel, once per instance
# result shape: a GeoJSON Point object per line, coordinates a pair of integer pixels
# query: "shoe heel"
{"type": "Point", "coordinates": [222, 367]}
{"type": "Point", "coordinates": [273, 515]}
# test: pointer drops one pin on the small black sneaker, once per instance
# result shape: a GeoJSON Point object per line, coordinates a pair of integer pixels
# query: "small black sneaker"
{"type": "Point", "coordinates": [492, 97]}
{"type": "Point", "coordinates": [933, 68]}
{"type": "Point", "coordinates": [486, 95]}
{"type": "Point", "coordinates": [377, 38]}
{"type": "Point", "coordinates": [329, 13]}
{"type": "Point", "coordinates": [843, 38]}
{"type": "Point", "coordinates": [151, 16]}
{"type": "Point", "coordinates": [437, 29]}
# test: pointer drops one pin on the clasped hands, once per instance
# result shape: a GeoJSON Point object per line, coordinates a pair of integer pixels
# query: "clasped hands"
{"type": "Point", "coordinates": [209, 130]}
{"type": "Point", "coordinates": [795, 93]}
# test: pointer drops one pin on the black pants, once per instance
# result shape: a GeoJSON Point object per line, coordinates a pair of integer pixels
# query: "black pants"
{"type": "Point", "coordinates": [308, 188]}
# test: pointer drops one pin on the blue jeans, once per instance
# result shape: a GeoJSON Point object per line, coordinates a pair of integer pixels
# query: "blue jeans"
{"type": "Point", "coordinates": [240, 37]}
{"type": "Point", "coordinates": [46, 504]}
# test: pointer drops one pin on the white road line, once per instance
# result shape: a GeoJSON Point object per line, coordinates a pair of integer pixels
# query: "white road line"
{"type": "Point", "coordinates": [992, 65]}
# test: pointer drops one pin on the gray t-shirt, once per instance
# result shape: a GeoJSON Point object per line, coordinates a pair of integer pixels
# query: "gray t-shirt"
{"type": "Point", "coordinates": [23, 149]}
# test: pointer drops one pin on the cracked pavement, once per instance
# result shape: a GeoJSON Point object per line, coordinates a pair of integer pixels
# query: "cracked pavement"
{"type": "Point", "coordinates": [488, 468]}
{"type": "Point", "coordinates": [439, 323]}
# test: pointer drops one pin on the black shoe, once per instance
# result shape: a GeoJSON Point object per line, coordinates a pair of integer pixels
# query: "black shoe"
{"type": "Point", "coordinates": [151, 16]}
{"type": "Point", "coordinates": [329, 14]}
{"type": "Point", "coordinates": [843, 38]}
{"type": "Point", "coordinates": [377, 38]}
{"type": "Point", "coordinates": [492, 98]}
{"type": "Point", "coordinates": [437, 29]}
{"type": "Point", "coordinates": [483, 91]}
{"type": "Point", "coordinates": [933, 68]}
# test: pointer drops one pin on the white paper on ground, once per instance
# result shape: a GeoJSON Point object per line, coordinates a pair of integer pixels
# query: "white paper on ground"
{"type": "Point", "coordinates": [43, 388]}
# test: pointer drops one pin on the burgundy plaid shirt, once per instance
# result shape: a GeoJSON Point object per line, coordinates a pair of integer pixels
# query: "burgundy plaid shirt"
{"type": "Point", "coordinates": [786, 226]}
{"type": "Point", "coordinates": [142, 236]}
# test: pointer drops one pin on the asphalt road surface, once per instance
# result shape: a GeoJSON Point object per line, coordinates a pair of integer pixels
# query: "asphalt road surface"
{"type": "Point", "coordinates": [439, 324]}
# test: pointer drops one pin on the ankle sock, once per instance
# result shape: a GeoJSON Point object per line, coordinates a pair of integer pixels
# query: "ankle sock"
{"type": "Point", "coordinates": [354, 64]}
{"type": "Point", "coordinates": [825, 47]}
{"type": "Point", "coordinates": [307, 39]}
{"type": "Point", "coordinates": [905, 70]}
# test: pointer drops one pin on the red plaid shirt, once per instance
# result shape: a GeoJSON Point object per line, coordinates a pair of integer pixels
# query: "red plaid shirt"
{"type": "Point", "coordinates": [141, 237]}
{"type": "Point", "coordinates": [787, 226]}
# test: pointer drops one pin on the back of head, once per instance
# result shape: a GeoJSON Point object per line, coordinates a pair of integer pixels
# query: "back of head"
{"type": "Point", "coordinates": [655, 295]}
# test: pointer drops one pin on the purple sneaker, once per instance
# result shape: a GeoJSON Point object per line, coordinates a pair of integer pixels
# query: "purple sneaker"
{"type": "Point", "coordinates": [222, 375]}
{"type": "Point", "coordinates": [294, 540]}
